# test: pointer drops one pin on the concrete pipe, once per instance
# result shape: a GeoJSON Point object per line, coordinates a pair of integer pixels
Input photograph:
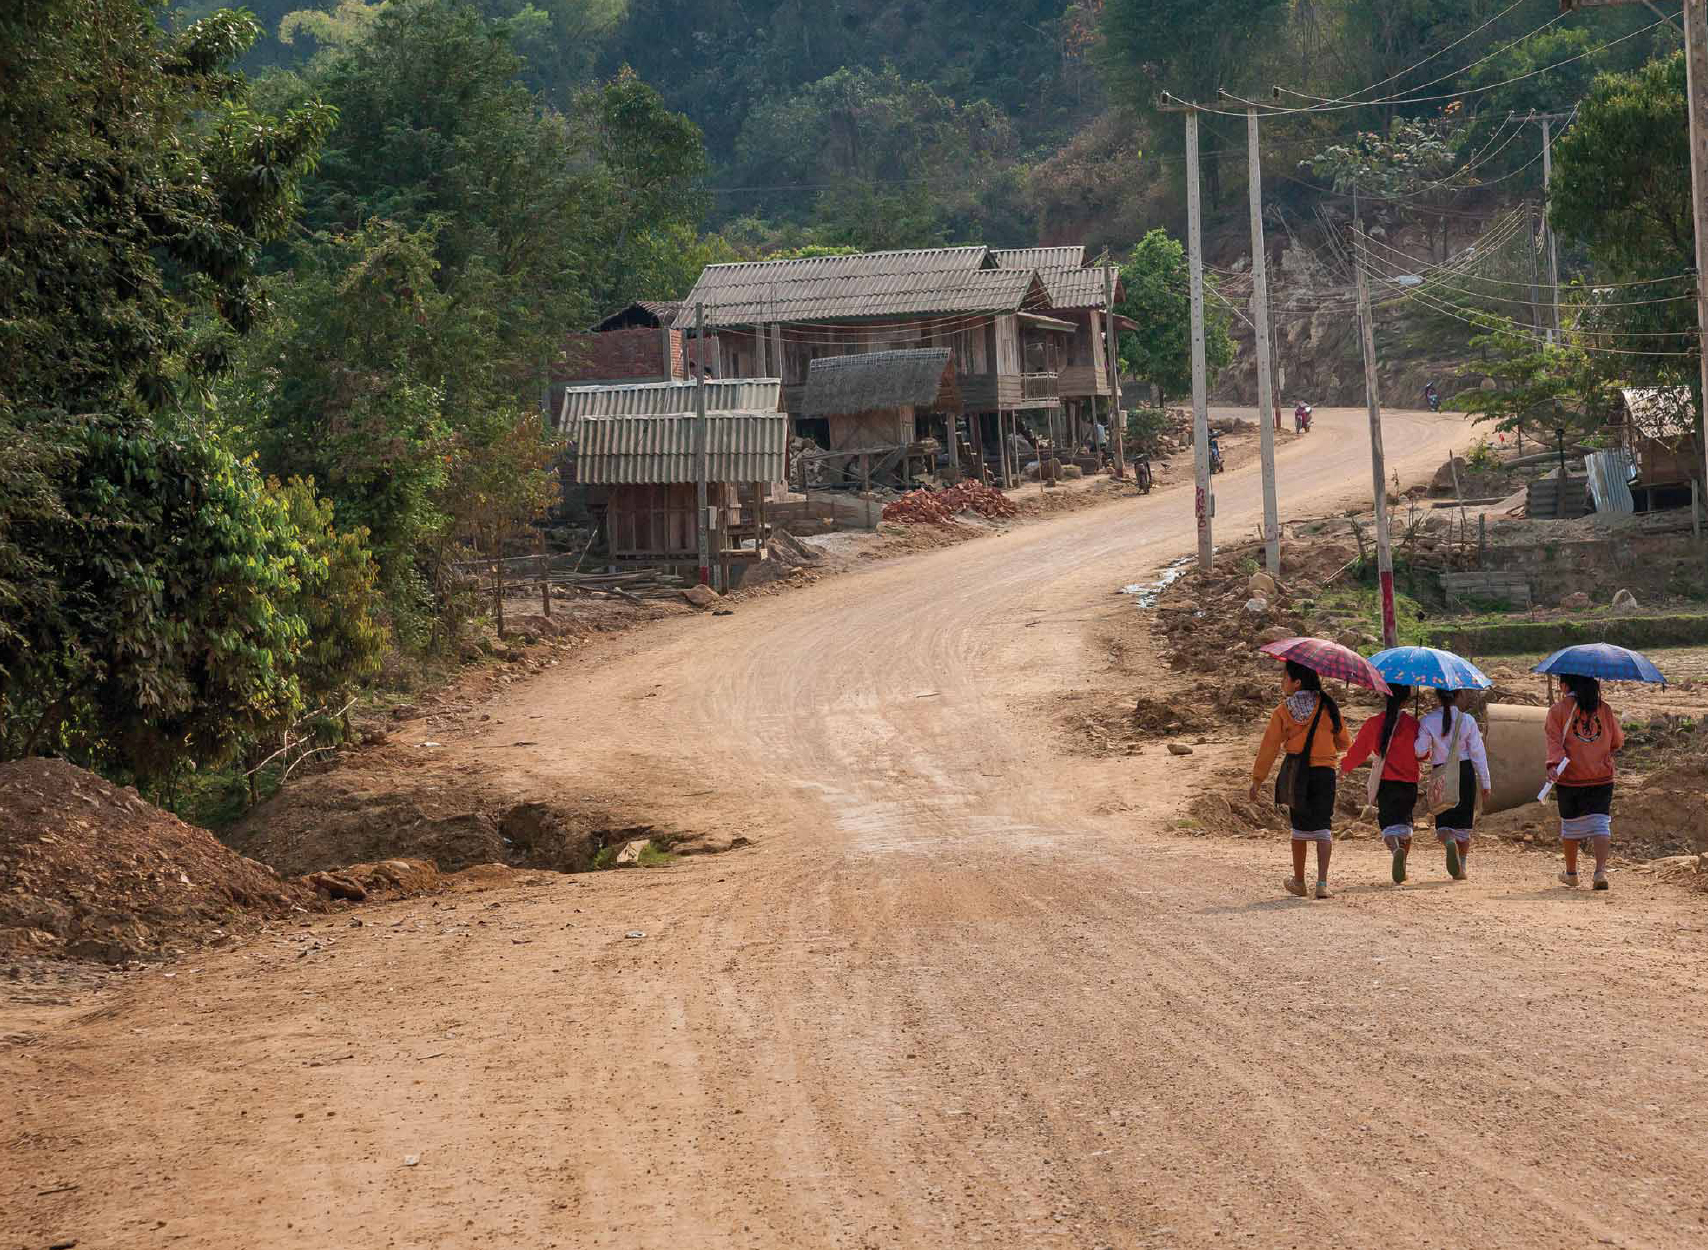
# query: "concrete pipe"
{"type": "Point", "coordinates": [1517, 744]}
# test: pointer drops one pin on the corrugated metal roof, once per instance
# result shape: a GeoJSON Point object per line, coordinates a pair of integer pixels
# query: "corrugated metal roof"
{"type": "Point", "coordinates": [1044, 259]}
{"type": "Point", "coordinates": [1071, 282]}
{"type": "Point", "coordinates": [653, 399]}
{"type": "Point", "coordinates": [873, 381]}
{"type": "Point", "coordinates": [740, 447]}
{"type": "Point", "coordinates": [1660, 411]}
{"type": "Point", "coordinates": [1610, 477]}
{"type": "Point", "coordinates": [872, 284]}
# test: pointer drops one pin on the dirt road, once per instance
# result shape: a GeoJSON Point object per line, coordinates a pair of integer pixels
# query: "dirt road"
{"type": "Point", "coordinates": [963, 991]}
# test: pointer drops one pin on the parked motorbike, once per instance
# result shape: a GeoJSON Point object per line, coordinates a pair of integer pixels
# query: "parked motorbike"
{"type": "Point", "coordinates": [1215, 455]}
{"type": "Point", "coordinates": [1142, 471]}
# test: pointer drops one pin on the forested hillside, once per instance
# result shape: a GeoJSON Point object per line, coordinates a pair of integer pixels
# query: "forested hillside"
{"type": "Point", "coordinates": [877, 123]}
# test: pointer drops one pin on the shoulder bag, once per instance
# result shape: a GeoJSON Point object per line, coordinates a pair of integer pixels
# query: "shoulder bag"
{"type": "Point", "coordinates": [1444, 781]}
{"type": "Point", "coordinates": [1290, 781]}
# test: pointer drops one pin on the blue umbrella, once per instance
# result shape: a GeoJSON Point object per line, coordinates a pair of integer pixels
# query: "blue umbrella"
{"type": "Point", "coordinates": [1604, 661]}
{"type": "Point", "coordinates": [1427, 666]}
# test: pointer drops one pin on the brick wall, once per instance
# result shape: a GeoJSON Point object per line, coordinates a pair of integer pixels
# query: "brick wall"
{"type": "Point", "coordinates": [620, 355]}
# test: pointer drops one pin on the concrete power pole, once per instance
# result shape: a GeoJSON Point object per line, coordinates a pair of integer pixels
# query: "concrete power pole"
{"type": "Point", "coordinates": [1265, 379]}
{"type": "Point", "coordinates": [1548, 232]}
{"type": "Point", "coordinates": [1200, 370]}
{"type": "Point", "coordinates": [1378, 462]}
{"type": "Point", "coordinates": [1117, 422]}
{"type": "Point", "coordinates": [1696, 77]}
{"type": "Point", "coordinates": [700, 509]}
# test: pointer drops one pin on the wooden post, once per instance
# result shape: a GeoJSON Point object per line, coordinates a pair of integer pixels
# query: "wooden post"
{"type": "Point", "coordinates": [975, 428]}
{"type": "Point", "coordinates": [498, 588]}
{"type": "Point", "coordinates": [1482, 540]}
{"type": "Point", "coordinates": [701, 528]}
{"type": "Point", "coordinates": [545, 581]}
{"type": "Point", "coordinates": [1265, 378]}
{"type": "Point", "coordinates": [866, 485]}
{"type": "Point", "coordinates": [1378, 471]}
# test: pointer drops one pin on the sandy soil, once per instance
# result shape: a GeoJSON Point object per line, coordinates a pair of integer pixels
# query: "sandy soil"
{"type": "Point", "coordinates": [965, 989]}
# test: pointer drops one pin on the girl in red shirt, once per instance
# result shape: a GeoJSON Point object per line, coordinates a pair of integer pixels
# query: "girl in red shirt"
{"type": "Point", "coordinates": [1391, 738]}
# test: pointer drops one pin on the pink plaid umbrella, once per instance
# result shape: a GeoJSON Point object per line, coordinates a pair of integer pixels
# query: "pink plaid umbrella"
{"type": "Point", "coordinates": [1328, 658]}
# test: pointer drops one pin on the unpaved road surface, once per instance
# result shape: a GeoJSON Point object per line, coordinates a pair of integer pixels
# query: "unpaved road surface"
{"type": "Point", "coordinates": [964, 990]}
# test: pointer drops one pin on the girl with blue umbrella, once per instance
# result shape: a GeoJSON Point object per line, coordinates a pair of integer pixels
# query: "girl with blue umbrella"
{"type": "Point", "coordinates": [1583, 736]}
{"type": "Point", "coordinates": [1443, 738]}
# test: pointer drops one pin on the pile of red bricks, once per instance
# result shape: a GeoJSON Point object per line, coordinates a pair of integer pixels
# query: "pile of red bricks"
{"type": "Point", "coordinates": [979, 498]}
{"type": "Point", "coordinates": [922, 507]}
{"type": "Point", "coordinates": [919, 507]}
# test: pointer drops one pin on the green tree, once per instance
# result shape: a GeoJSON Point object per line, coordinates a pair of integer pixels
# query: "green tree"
{"type": "Point", "coordinates": [1622, 192]}
{"type": "Point", "coordinates": [897, 163]}
{"type": "Point", "coordinates": [1190, 48]}
{"type": "Point", "coordinates": [1157, 283]}
{"type": "Point", "coordinates": [140, 185]}
{"type": "Point", "coordinates": [1538, 385]}
{"type": "Point", "coordinates": [642, 190]}
{"type": "Point", "coordinates": [1416, 160]}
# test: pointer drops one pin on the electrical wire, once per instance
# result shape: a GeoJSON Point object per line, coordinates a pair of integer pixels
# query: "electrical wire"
{"type": "Point", "coordinates": [1276, 111]}
{"type": "Point", "coordinates": [1417, 64]}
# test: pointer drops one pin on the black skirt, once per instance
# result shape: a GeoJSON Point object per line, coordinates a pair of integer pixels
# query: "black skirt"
{"type": "Point", "coordinates": [1465, 815]}
{"type": "Point", "coordinates": [1396, 801]}
{"type": "Point", "coordinates": [1317, 810]}
{"type": "Point", "coordinates": [1578, 801]}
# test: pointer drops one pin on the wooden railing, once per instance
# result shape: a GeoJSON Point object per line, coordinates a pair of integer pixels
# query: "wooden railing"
{"type": "Point", "coordinates": [1040, 390]}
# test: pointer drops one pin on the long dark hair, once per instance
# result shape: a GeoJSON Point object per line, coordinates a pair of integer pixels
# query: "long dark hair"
{"type": "Point", "coordinates": [1449, 700]}
{"type": "Point", "coordinates": [1587, 691]}
{"type": "Point", "coordinates": [1397, 696]}
{"type": "Point", "coordinates": [1308, 680]}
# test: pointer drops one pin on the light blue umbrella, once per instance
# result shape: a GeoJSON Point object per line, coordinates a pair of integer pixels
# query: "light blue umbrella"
{"type": "Point", "coordinates": [1431, 667]}
{"type": "Point", "coordinates": [1604, 661]}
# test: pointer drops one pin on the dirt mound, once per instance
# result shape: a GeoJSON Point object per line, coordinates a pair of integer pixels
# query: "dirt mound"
{"type": "Point", "coordinates": [449, 821]}
{"type": "Point", "coordinates": [94, 871]}
{"type": "Point", "coordinates": [1666, 815]}
{"type": "Point", "coordinates": [1231, 815]}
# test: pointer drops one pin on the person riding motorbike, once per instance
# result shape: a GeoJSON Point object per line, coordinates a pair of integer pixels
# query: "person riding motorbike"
{"type": "Point", "coordinates": [1302, 419]}
{"type": "Point", "coordinates": [1215, 454]}
{"type": "Point", "coordinates": [1142, 472]}
{"type": "Point", "coordinates": [1432, 397]}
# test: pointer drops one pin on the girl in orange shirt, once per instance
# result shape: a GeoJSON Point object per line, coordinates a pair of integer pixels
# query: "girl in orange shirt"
{"type": "Point", "coordinates": [1585, 733]}
{"type": "Point", "coordinates": [1292, 725]}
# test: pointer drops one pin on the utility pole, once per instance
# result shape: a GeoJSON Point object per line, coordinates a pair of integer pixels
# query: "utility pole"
{"type": "Point", "coordinates": [1548, 230]}
{"type": "Point", "coordinates": [1265, 379]}
{"type": "Point", "coordinates": [1378, 463]}
{"type": "Point", "coordinates": [1696, 101]}
{"type": "Point", "coordinates": [701, 511]}
{"type": "Point", "coordinates": [1116, 419]}
{"type": "Point", "coordinates": [1200, 370]}
{"type": "Point", "coordinates": [1696, 97]}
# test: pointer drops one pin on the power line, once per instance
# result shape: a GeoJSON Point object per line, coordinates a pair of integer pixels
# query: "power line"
{"type": "Point", "coordinates": [1418, 64]}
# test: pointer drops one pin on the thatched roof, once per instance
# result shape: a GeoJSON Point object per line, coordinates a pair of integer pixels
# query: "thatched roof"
{"type": "Point", "coordinates": [920, 377]}
{"type": "Point", "coordinates": [872, 284]}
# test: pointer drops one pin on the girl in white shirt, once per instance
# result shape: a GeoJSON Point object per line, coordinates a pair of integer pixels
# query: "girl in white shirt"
{"type": "Point", "coordinates": [1435, 739]}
